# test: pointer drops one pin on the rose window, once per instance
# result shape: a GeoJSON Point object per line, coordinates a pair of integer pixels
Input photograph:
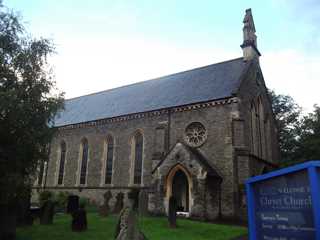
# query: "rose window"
{"type": "Point", "coordinates": [195, 134]}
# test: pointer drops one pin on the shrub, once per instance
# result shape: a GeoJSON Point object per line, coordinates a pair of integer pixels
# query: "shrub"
{"type": "Point", "coordinates": [83, 202]}
{"type": "Point", "coordinates": [44, 196]}
{"type": "Point", "coordinates": [61, 199]}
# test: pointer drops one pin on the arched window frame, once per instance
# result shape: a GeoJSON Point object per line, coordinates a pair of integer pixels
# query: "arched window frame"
{"type": "Point", "coordinates": [259, 127]}
{"type": "Point", "coordinates": [108, 155]}
{"type": "Point", "coordinates": [137, 157]}
{"type": "Point", "coordinates": [61, 163]}
{"type": "Point", "coordinates": [268, 137]}
{"type": "Point", "coordinates": [40, 176]}
{"type": "Point", "coordinates": [254, 142]}
{"type": "Point", "coordinates": [262, 126]}
{"type": "Point", "coordinates": [83, 166]}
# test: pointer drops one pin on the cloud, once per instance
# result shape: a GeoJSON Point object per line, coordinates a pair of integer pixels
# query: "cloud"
{"type": "Point", "coordinates": [304, 15]}
{"type": "Point", "coordinates": [294, 73]}
{"type": "Point", "coordinates": [306, 10]}
{"type": "Point", "coordinates": [89, 65]}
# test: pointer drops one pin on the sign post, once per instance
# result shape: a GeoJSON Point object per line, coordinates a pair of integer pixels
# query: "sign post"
{"type": "Point", "coordinates": [285, 204]}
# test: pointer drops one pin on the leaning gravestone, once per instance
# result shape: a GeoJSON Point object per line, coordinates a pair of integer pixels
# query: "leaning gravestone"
{"type": "Point", "coordinates": [127, 227]}
{"type": "Point", "coordinates": [79, 220]}
{"type": "Point", "coordinates": [47, 212]}
{"type": "Point", "coordinates": [119, 203]}
{"type": "Point", "coordinates": [73, 203]}
{"type": "Point", "coordinates": [172, 216]}
{"type": "Point", "coordinates": [285, 204]}
{"type": "Point", "coordinates": [104, 210]}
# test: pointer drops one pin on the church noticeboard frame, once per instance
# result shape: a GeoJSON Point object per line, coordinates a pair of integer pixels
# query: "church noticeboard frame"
{"type": "Point", "coordinates": [285, 204]}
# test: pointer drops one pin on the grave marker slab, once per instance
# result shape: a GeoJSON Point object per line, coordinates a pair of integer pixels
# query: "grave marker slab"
{"type": "Point", "coordinates": [47, 212]}
{"type": "Point", "coordinates": [119, 203]}
{"type": "Point", "coordinates": [79, 220]}
{"type": "Point", "coordinates": [73, 203]}
{"type": "Point", "coordinates": [172, 216]}
{"type": "Point", "coordinates": [104, 209]}
{"type": "Point", "coordinates": [285, 204]}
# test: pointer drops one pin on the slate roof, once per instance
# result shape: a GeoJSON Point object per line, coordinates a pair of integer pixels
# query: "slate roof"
{"type": "Point", "coordinates": [202, 84]}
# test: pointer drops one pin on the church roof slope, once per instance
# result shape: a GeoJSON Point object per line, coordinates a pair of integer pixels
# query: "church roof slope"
{"type": "Point", "coordinates": [202, 84]}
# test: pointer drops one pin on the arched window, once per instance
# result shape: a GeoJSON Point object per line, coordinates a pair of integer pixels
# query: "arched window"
{"type": "Point", "coordinates": [262, 139]}
{"type": "Point", "coordinates": [41, 173]}
{"type": "Point", "coordinates": [84, 161]}
{"type": "Point", "coordinates": [138, 155]}
{"type": "Point", "coordinates": [109, 160]}
{"type": "Point", "coordinates": [268, 139]}
{"type": "Point", "coordinates": [254, 129]}
{"type": "Point", "coordinates": [62, 162]}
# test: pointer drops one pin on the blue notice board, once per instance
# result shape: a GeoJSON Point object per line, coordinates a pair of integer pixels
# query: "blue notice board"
{"type": "Point", "coordinates": [285, 204]}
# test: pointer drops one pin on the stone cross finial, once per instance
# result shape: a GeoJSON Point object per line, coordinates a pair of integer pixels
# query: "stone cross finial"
{"type": "Point", "coordinates": [249, 45]}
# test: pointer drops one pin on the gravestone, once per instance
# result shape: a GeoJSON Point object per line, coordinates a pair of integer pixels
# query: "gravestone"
{"type": "Point", "coordinates": [285, 204]}
{"type": "Point", "coordinates": [104, 210]}
{"type": "Point", "coordinates": [127, 227]}
{"type": "Point", "coordinates": [35, 212]}
{"type": "Point", "coordinates": [143, 203]}
{"type": "Point", "coordinates": [172, 216]}
{"type": "Point", "coordinates": [47, 212]}
{"type": "Point", "coordinates": [73, 203]}
{"type": "Point", "coordinates": [119, 203]}
{"type": "Point", "coordinates": [79, 220]}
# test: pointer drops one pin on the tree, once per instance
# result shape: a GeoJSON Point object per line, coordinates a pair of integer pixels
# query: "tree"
{"type": "Point", "coordinates": [287, 114]}
{"type": "Point", "coordinates": [309, 140]}
{"type": "Point", "coordinates": [299, 136]}
{"type": "Point", "coordinates": [27, 110]}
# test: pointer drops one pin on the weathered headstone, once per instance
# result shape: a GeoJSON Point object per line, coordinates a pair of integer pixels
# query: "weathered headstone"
{"type": "Point", "coordinates": [172, 216]}
{"type": "Point", "coordinates": [73, 203]}
{"type": "Point", "coordinates": [35, 212]}
{"type": "Point", "coordinates": [79, 220]}
{"type": "Point", "coordinates": [119, 203]}
{"type": "Point", "coordinates": [104, 209]}
{"type": "Point", "coordinates": [143, 203]}
{"type": "Point", "coordinates": [127, 228]}
{"type": "Point", "coordinates": [285, 204]}
{"type": "Point", "coordinates": [47, 212]}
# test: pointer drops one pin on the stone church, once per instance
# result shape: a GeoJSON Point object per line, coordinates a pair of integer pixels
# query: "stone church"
{"type": "Point", "coordinates": [196, 135]}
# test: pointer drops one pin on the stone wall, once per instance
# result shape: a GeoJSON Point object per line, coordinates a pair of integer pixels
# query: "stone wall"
{"type": "Point", "coordinates": [217, 149]}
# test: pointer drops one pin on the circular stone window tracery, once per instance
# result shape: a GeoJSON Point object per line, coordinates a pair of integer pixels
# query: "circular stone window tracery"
{"type": "Point", "coordinates": [195, 134]}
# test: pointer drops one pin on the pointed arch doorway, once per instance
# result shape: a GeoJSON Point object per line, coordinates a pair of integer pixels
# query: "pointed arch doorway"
{"type": "Point", "coordinates": [179, 185]}
{"type": "Point", "coordinates": [180, 191]}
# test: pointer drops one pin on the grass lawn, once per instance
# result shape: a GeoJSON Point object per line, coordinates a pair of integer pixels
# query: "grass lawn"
{"type": "Point", "coordinates": [154, 228]}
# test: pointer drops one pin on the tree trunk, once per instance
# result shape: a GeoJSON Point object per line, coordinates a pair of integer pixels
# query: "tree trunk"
{"type": "Point", "coordinates": [23, 214]}
{"type": "Point", "coordinates": [7, 222]}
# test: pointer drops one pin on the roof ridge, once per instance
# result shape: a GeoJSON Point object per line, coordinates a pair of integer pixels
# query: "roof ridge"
{"type": "Point", "coordinates": [152, 79]}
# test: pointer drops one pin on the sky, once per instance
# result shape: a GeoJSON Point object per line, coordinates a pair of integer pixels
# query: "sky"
{"type": "Point", "coordinates": [103, 44]}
